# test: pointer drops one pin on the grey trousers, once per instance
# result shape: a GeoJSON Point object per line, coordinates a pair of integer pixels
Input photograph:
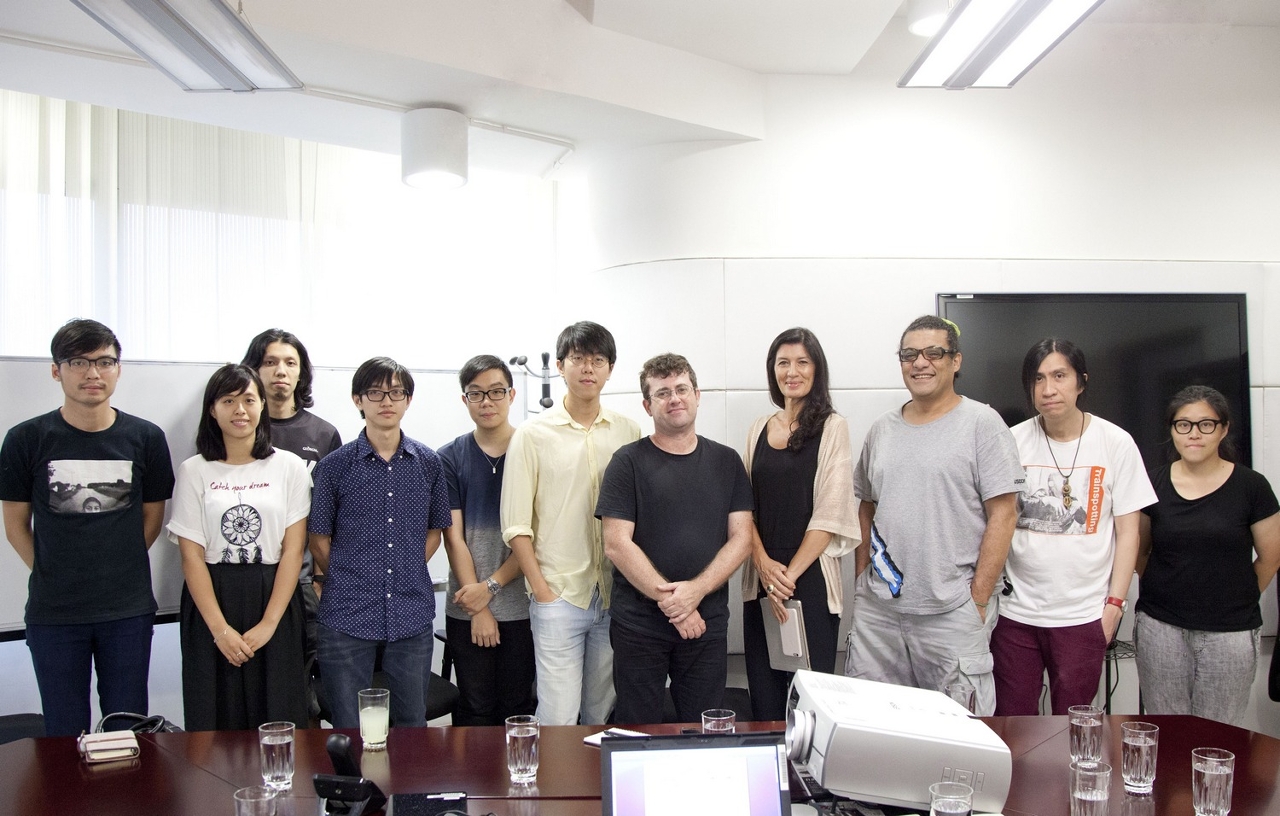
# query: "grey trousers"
{"type": "Point", "coordinates": [924, 651]}
{"type": "Point", "coordinates": [1187, 671]}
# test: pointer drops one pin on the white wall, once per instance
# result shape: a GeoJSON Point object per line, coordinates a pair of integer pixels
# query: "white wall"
{"type": "Point", "coordinates": [1155, 171]}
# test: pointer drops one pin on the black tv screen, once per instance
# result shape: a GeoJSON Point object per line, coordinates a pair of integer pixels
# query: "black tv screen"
{"type": "Point", "coordinates": [1141, 349]}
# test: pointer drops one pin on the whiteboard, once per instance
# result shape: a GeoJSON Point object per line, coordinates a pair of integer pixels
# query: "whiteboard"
{"type": "Point", "coordinates": [169, 394]}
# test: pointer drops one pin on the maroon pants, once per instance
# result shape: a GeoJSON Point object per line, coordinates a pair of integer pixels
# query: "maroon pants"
{"type": "Point", "coordinates": [1072, 655]}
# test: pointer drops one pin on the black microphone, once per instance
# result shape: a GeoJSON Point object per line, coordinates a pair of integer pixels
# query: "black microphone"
{"type": "Point", "coordinates": [546, 401]}
{"type": "Point", "coordinates": [339, 748]}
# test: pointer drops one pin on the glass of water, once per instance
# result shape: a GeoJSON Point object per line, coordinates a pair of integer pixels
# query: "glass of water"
{"type": "Point", "coordinates": [950, 799]}
{"type": "Point", "coordinates": [1138, 756]}
{"type": "Point", "coordinates": [275, 744]}
{"type": "Point", "coordinates": [719, 721]}
{"type": "Point", "coordinates": [1212, 775]}
{"type": "Point", "coordinates": [1086, 733]}
{"type": "Point", "coordinates": [375, 716]}
{"type": "Point", "coordinates": [522, 748]}
{"type": "Point", "coordinates": [1090, 788]}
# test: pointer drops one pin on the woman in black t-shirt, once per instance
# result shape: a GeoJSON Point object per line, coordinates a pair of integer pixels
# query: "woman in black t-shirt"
{"type": "Point", "coordinates": [1198, 620]}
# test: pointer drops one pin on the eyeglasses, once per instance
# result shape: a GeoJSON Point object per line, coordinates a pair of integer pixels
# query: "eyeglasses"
{"type": "Point", "coordinates": [932, 353]}
{"type": "Point", "coordinates": [596, 360]}
{"type": "Point", "coordinates": [495, 394]}
{"type": "Point", "coordinates": [681, 391]}
{"type": "Point", "coordinates": [378, 395]}
{"type": "Point", "coordinates": [82, 364]}
{"type": "Point", "coordinates": [1206, 426]}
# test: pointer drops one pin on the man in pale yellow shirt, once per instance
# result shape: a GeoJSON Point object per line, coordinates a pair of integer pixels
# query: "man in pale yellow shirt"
{"type": "Point", "coordinates": [554, 466]}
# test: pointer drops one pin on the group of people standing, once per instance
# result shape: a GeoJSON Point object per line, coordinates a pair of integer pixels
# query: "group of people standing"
{"type": "Point", "coordinates": [592, 565]}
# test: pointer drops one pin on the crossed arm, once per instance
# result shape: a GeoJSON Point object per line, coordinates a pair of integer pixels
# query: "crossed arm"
{"type": "Point", "coordinates": [678, 600]}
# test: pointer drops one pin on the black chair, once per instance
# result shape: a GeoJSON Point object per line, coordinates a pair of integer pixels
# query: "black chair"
{"type": "Point", "coordinates": [20, 726]}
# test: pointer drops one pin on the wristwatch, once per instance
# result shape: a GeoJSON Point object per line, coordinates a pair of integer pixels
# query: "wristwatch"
{"type": "Point", "coordinates": [494, 586]}
{"type": "Point", "coordinates": [1120, 602]}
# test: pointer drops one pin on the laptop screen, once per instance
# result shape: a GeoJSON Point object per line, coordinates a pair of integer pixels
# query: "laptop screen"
{"type": "Point", "coordinates": [726, 774]}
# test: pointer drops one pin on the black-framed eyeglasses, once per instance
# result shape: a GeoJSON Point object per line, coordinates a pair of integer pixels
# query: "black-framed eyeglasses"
{"type": "Point", "coordinates": [82, 364]}
{"type": "Point", "coordinates": [932, 353]}
{"type": "Point", "coordinates": [1206, 426]}
{"type": "Point", "coordinates": [495, 394]}
{"type": "Point", "coordinates": [378, 395]}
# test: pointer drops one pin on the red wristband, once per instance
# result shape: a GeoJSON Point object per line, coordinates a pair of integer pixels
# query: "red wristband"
{"type": "Point", "coordinates": [1120, 602]}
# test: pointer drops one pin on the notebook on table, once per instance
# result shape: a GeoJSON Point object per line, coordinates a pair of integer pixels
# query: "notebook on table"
{"type": "Point", "coordinates": [670, 775]}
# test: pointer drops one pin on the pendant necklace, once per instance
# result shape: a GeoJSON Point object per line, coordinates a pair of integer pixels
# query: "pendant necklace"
{"type": "Point", "coordinates": [493, 463]}
{"type": "Point", "coordinates": [1066, 477]}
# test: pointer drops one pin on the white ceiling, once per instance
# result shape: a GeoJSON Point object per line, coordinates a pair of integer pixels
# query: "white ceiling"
{"type": "Point", "coordinates": [598, 74]}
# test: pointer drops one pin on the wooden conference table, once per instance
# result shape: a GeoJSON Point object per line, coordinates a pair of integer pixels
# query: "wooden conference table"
{"type": "Point", "coordinates": [193, 774]}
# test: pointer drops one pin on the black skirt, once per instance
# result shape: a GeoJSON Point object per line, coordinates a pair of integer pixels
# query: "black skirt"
{"type": "Point", "coordinates": [271, 685]}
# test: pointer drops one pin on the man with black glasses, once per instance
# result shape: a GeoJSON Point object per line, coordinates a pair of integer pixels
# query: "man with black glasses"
{"type": "Point", "coordinates": [487, 611]}
{"type": "Point", "coordinates": [938, 480]}
{"type": "Point", "coordinates": [84, 489]}
{"type": "Point", "coordinates": [377, 508]}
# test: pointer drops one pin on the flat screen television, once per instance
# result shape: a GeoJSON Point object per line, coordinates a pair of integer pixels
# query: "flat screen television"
{"type": "Point", "coordinates": [1140, 348]}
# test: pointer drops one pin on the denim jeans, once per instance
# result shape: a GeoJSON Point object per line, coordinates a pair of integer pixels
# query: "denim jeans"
{"type": "Point", "coordinates": [1187, 671]}
{"type": "Point", "coordinates": [574, 661]}
{"type": "Point", "coordinates": [63, 656]}
{"type": "Point", "coordinates": [346, 667]}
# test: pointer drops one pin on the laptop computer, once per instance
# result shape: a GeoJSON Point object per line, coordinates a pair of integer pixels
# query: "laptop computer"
{"type": "Point", "coordinates": [670, 775]}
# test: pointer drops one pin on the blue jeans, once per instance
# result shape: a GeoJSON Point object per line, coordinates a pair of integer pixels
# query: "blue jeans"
{"type": "Point", "coordinates": [64, 655]}
{"type": "Point", "coordinates": [574, 661]}
{"type": "Point", "coordinates": [346, 667]}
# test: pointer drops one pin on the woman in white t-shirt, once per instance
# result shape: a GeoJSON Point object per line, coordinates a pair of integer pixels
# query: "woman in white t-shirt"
{"type": "Point", "coordinates": [1076, 541]}
{"type": "Point", "coordinates": [240, 516]}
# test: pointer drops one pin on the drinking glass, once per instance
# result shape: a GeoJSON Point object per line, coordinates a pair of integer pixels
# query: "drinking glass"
{"type": "Point", "coordinates": [964, 694]}
{"type": "Point", "coordinates": [1212, 775]}
{"type": "Point", "coordinates": [719, 721]}
{"type": "Point", "coordinates": [275, 745]}
{"type": "Point", "coordinates": [375, 716]}
{"type": "Point", "coordinates": [522, 748]}
{"type": "Point", "coordinates": [1086, 733]}
{"type": "Point", "coordinates": [1090, 788]}
{"type": "Point", "coordinates": [950, 799]}
{"type": "Point", "coordinates": [1138, 756]}
{"type": "Point", "coordinates": [258, 800]}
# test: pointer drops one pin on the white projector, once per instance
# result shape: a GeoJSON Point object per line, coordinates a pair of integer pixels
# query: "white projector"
{"type": "Point", "coordinates": [877, 742]}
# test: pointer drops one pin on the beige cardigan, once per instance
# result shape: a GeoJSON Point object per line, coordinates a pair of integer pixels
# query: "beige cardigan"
{"type": "Point", "coordinates": [834, 508]}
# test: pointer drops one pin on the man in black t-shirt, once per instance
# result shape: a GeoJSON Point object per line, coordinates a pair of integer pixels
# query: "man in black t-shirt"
{"type": "Point", "coordinates": [676, 513]}
{"type": "Point", "coordinates": [285, 368]}
{"type": "Point", "coordinates": [83, 489]}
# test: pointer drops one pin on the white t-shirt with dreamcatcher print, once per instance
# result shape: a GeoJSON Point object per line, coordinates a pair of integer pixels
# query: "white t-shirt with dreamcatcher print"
{"type": "Point", "coordinates": [239, 513]}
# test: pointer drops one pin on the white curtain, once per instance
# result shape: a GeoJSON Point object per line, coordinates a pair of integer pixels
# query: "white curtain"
{"type": "Point", "coordinates": [188, 239]}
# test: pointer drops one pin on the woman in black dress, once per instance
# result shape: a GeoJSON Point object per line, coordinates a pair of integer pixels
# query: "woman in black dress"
{"type": "Point", "coordinates": [801, 467]}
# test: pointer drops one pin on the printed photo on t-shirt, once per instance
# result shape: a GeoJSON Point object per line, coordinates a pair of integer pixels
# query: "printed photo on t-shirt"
{"type": "Point", "coordinates": [1058, 504]}
{"type": "Point", "coordinates": [89, 485]}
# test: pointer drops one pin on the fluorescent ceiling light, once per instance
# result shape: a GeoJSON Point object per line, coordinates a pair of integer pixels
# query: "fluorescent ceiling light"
{"type": "Point", "coordinates": [993, 43]}
{"type": "Point", "coordinates": [203, 45]}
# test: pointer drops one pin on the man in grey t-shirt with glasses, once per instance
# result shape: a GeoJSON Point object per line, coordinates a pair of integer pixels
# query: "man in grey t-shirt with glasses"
{"type": "Point", "coordinates": [938, 480]}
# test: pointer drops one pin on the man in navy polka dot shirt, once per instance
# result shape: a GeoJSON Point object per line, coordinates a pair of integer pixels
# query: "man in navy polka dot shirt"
{"type": "Point", "coordinates": [377, 509]}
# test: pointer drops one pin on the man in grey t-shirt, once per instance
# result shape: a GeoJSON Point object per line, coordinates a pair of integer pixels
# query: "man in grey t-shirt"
{"type": "Point", "coordinates": [938, 481]}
